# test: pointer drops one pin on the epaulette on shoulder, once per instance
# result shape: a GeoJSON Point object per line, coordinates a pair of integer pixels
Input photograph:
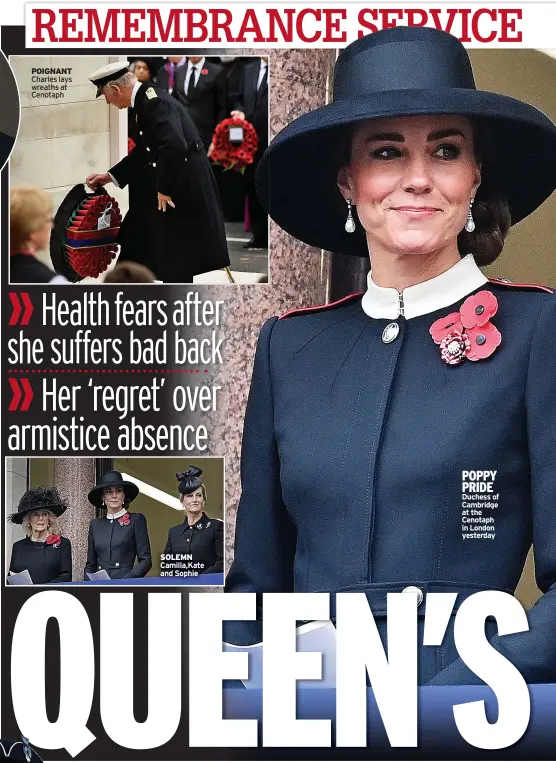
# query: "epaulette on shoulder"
{"type": "Point", "coordinates": [151, 93]}
{"type": "Point", "coordinates": [512, 285]}
{"type": "Point", "coordinates": [319, 308]}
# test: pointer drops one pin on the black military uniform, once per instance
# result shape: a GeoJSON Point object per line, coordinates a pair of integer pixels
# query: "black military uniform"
{"type": "Point", "coordinates": [46, 562]}
{"type": "Point", "coordinates": [169, 158]}
{"type": "Point", "coordinates": [114, 545]}
{"type": "Point", "coordinates": [204, 541]}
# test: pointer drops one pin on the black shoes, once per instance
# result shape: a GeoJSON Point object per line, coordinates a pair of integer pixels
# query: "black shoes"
{"type": "Point", "coordinates": [255, 243]}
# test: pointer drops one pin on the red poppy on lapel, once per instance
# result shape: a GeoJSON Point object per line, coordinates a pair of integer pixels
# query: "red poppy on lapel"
{"type": "Point", "coordinates": [204, 71]}
{"type": "Point", "coordinates": [124, 520]}
{"type": "Point", "coordinates": [54, 540]}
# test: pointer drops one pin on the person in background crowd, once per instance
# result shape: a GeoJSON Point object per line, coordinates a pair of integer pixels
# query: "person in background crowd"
{"type": "Point", "coordinates": [232, 184]}
{"type": "Point", "coordinates": [253, 106]}
{"type": "Point", "coordinates": [198, 534]}
{"type": "Point", "coordinates": [30, 226]}
{"type": "Point", "coordinates": [141, 67]}
{"type": "Point", "coordinates": [44, 553]}
{"type": "Point", "coordinates": [129, 272]}
{"type": "Point", "coordinates": [118, 538]}
{"type": "Point", "coordinates": [199, 89]}
{"type": "Point", "coordinates": [166, 76]}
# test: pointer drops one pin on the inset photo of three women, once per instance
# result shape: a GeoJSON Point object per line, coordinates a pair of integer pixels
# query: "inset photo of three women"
{"type": "Point", "coordinates": [115, 521]}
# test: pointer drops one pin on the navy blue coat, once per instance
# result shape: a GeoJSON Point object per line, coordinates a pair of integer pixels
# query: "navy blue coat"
{"type": "Point", "coordinates": [113, 547]}
{"type": "Point", "coordinates": [352, 463]}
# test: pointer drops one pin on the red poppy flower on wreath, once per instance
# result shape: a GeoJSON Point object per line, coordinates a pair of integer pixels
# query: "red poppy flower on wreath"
{"type": "Point", "coordinates": [478, 309]}
{"type": "Point", "coordinates": [124, 520]}
{"type": "Point", "coordinates": [468, 334]}
{"type": "Point", "coordinates": [444, 326]}
{"type": "Point", "coordinates": [484, 340]}
{"type": "Point", "coordinates": [54, 540]}
{"type": "Point", "coordinates": [234, 156]}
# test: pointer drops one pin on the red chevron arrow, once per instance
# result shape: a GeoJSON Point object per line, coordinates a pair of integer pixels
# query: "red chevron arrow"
{"type": "Point", "coordinates": [16, 394]}
{"type": "Point", "coordinates": [27, 389]}
{"type": "Point", "coordinates": [16, 312]}
{"type": "Point", "coordinates": [28, 308]}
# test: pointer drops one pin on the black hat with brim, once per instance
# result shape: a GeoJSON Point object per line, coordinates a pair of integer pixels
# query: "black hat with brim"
{"type": "Point", "coordinates": [112, 479]}
{"type": "Point", "coordinates": [38, 499]}
{"type": "Point", "coordinates": [402, 71]}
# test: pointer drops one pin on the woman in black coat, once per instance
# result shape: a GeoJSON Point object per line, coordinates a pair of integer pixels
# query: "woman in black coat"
{"type": "Point", "coordinates": [43, 553]}
{"type": "Point", "coordinates": [198, 535]}
{"type": "Point", "coordinates": [117, 539]}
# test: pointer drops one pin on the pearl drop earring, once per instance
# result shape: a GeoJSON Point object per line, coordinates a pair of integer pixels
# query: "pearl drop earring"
{"type": "Point", "coordinates": [350, 222]}
{"type": "Point", "coordinates": [470, 222]}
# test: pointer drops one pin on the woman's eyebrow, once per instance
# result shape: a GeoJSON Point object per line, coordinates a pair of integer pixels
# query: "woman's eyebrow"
{"type": "Point", "coordinates": [448, 133]}
{"type": "Point", "coordinates": [394, 136]}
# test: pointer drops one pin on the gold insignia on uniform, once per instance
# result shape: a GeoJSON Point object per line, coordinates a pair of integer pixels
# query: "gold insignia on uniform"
{"type": "Point", "coordinates": [151, 93]}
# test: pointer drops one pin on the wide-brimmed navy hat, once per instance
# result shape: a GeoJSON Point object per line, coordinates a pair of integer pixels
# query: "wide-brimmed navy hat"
{"type": "Point", "coordinates": [112, 479]}
{"type": "Point", "coordinates": [402, 71]}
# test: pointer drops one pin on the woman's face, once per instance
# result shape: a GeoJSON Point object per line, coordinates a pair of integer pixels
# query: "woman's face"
{"type": "Point", "coordinates": [193, 502]}
{"type": "Point", "coordinates": [113, 498]}
{"type": "Point", "coordinates": [39, 521]}
{"type": "Point", "coordinates": [142, 71]}
{"type": "Point", "coordinates": [411, 179]}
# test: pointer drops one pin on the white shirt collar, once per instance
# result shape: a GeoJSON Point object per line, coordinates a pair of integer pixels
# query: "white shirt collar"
{"type": "Point", "coordinates": [423, 298]}
{"type": "Point", "coordinates": [134, 93]}
{"type": "Point", "coordinates": [117, 515]}
{"type": "Point", "coordinates": [199, 65]}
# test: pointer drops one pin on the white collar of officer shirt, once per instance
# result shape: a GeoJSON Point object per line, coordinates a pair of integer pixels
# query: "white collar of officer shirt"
{"type": "Point", "coordinates": [134, 93]}
{"type": "Point", "coordinates": [423, 298]}
{"type": "Point", "coordinates": [117, 515]}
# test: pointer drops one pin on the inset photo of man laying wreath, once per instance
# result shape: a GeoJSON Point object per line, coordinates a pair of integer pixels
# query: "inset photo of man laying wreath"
{"type": "Point", "coordinates": [139, 170]}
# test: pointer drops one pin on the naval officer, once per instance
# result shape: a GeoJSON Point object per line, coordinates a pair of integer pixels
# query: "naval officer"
{"type": "Point", "coordinates": [175, 225]}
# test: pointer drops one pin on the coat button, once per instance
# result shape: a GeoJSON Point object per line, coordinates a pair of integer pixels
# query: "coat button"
{"type": "Point", "coordinates": [414, 590]}
{"type": "Point", "coordinates": [154, 164]}
{"type": "Point", "coordinates": [99, 567]}
{"type": "Point", "coordinates": [140, 132]}
{"type": "Point", "coordinates": [390, 333]}
{"type": "Point", "coordinates": [118, 564]}
{"type": "Point", "coordinates": [148, 149]}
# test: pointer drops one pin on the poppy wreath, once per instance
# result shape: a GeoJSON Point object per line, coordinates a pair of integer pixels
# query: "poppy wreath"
{"type": "Point", "coordinates": [77, 247]}
{"type": "Point", "coordinates": [468, 334]}
{"type": "Point", "coordinates": [90, 250]}
{"type": "Point", "coordinates": [228, 155]}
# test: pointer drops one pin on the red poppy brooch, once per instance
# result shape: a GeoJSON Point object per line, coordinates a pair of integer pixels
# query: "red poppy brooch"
{"type": "Point", "coordinates": [124, 520]}
{"type": "Point", "coordinates": [54, 540]}
{"type": "Point", "coordinates": [204, 72]}
{"type": "Point", "coordinates": [468, 333]}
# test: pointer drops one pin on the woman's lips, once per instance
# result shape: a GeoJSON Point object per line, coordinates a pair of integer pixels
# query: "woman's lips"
{"type": "Point", "coordinates": [416, 211]}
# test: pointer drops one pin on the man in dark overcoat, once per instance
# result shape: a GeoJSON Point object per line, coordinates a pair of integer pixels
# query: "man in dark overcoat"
{"type": "Point", "coordinates": [199, 88]}
{"type": "Point", "coordinates": [175, 225]}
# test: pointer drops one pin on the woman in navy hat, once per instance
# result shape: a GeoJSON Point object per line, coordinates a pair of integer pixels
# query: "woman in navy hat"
{"type": "Point", "coordinates": [44, 554]}
{"type": "Point", "coordinates": [120, 537]}
{"type": "Point", "coordinates": [403, 439]}
{"type": "Point", "coordinates": [198, 535]}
